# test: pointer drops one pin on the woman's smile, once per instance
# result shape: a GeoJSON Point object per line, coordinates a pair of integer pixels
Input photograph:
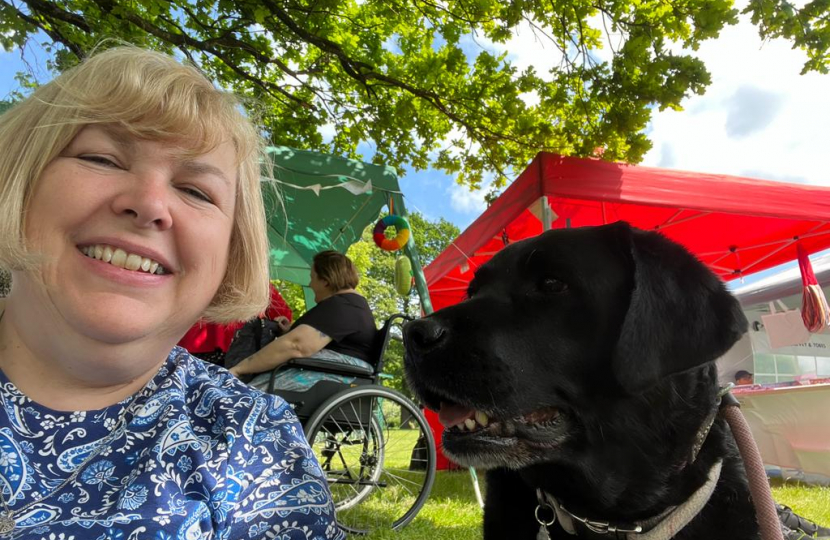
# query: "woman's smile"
{"type": "Point", "coordinates": [123, 259]}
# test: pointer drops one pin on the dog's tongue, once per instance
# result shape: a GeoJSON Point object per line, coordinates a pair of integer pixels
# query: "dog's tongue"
{"type": "Point", "coordinates": [451, 414]}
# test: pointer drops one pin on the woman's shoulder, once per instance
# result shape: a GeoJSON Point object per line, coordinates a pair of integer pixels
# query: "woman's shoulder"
{"type": "Point", "coordinates": [211, 393]}
{"type": "Point", "coordinates": [353, 299]}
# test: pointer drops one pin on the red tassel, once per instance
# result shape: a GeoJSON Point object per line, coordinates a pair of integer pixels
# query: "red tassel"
{"type": "Point", "coordinates": [814, 309]}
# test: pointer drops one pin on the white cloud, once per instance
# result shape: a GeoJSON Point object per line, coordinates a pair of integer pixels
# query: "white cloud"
{"type": "Point", "coordinates": [467, 202]}
{"type": "Point", "coordinates": [758, 118]}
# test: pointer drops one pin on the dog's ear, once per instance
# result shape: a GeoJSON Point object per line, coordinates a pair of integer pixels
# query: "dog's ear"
{"type": "Point", "coordinates": [680, 314]}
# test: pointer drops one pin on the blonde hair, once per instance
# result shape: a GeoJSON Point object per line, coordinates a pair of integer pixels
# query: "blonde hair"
{"type": "Point", "coordinates": [336, 269]}
{"type": "Point", "coordinates": [154, 97]}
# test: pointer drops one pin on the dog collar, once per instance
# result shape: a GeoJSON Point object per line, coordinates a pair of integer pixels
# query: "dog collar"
{"type": "Point", "coordinates": [660, 527]}
{"type": "Point", "coordinates": [703, 432]}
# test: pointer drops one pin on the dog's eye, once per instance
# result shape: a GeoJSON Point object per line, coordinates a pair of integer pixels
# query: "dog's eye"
{"type": "Point", "coordinates": [550, 285]}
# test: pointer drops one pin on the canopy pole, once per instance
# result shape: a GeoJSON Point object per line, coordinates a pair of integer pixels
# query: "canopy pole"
{"type": "Point", "coordinates": [547, 216]}
{"type": "Point", "coordinates": [418, 272]}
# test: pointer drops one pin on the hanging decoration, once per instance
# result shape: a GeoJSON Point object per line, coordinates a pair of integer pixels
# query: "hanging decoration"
{"type": "Point", "coordinates": [814, 309]}
{"type": "Point", "coordinates": [400, 239]}
{"type": "Point", "coordinates": [403, 275]}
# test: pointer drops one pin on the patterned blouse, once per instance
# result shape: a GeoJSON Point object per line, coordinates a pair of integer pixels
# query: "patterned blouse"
{"type": "Point", "coordinates": [194, 455]}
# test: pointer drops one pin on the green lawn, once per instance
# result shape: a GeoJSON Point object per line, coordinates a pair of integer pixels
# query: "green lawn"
{"type": "Point", "coordinates": [812, 502]}
{"type": "Point", "coordinates": [451, 513]}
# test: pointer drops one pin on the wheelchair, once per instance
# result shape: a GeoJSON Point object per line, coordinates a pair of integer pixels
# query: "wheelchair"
{"type": "Point", "coordinates": [373, 443]}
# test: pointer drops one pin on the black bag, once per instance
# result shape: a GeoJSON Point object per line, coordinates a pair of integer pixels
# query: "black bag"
{"type": "Point", "coordinates": [254, 335]}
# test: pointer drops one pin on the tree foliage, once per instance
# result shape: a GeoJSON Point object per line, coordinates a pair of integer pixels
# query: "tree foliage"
{"type": "Point", "coordinates": [410, 78]}
{"type": "Point", "coordinates": [808, 28]}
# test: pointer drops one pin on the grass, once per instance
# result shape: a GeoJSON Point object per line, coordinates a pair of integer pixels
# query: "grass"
{"type": "Point", "coordinates": [812, 502]}
{"type": "Point", "coordinates": [451, 513]}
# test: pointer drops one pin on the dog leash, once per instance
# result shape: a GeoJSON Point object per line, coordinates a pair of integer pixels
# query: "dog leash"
{"type": "Point", "coordinates": [768, 521]}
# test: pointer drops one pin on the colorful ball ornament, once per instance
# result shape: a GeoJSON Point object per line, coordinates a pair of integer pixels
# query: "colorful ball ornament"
{"type": "Point", "coordinates": [391, 244]}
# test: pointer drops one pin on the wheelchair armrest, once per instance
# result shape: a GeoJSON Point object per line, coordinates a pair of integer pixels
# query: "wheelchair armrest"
{"type": "Point", "coordinates": [317, 364]}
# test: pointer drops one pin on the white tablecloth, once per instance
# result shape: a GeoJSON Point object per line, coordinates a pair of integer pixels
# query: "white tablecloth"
{"type": "Point", "coordinates": [791, 425]}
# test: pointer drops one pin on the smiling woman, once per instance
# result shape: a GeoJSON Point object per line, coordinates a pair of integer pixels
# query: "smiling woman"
{"type": "Point", "coordinates": [130, 208]}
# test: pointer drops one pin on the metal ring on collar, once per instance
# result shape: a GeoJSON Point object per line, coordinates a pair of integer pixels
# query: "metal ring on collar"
{"type": "Point", "coordinates": [552, 513]}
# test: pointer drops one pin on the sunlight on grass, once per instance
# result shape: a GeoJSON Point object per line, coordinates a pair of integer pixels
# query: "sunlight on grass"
{"type": "Point", "coordinates": [812, 502]}
{"type": "Point", "coordinates": [451, 513]}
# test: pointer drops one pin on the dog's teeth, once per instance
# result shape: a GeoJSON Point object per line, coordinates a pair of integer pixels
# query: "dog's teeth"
{"type": "Point", "coordinates": [470, 423]}
{"type": "Point", "coordinates": [481, 418]}
{"type": "Point", "coordinates": [460, 427]}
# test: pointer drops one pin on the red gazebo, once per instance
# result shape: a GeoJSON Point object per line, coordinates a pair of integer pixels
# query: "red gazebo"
{"type": "Point", "coordinates": [737, 226]}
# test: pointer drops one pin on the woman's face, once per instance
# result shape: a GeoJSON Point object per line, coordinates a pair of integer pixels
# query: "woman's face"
{"type": "Point", "coordinates": [319, 286]}
{"type": "Point", "coordinates": [135, 234]}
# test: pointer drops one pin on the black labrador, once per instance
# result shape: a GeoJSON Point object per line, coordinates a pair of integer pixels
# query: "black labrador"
{"type": "Point", "coordinates": [580, 373]}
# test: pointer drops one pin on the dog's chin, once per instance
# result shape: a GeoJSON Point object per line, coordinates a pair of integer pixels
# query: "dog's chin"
{"type": "Point", "coordinates": [515, 443]}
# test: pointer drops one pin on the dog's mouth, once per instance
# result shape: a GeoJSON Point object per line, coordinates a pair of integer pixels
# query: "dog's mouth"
{"type": "Point", "coordinates": [461, 420]}
{"type": "Point", "coordinates": [485, 438]}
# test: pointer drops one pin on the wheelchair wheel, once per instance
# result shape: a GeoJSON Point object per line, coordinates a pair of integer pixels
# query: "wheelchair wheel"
{"type": "Point", "coordinates": [378, 454]}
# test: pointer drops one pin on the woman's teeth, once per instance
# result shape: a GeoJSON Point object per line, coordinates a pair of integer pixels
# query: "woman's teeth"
{"type": "Point", "coordinates": [120, 258]}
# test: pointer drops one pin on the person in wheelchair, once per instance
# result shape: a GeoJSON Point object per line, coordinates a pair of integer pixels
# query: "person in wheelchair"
{"type": "Point", "coordinates": [340, 329]}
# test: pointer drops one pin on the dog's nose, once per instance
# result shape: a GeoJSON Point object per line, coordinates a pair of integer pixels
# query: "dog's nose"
{"type": "Point", "coordinates": [423, 335]}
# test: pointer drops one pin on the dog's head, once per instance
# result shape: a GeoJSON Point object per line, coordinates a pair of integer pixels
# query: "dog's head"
{"type": "Point", "coordinates": [560, 327]}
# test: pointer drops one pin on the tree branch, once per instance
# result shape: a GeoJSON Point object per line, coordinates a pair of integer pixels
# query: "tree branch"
{"type": "Point", "coordinates": [52, 31]}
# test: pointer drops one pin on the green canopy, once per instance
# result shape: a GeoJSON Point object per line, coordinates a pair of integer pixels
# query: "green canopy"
{"type": "Point", "coordinates": [325, 202]}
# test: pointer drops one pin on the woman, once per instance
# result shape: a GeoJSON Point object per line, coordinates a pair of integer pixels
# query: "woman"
{"type": "Point", "coordinates": [131, 208]}
{"type": "Point", "coordinates": [340, 328]}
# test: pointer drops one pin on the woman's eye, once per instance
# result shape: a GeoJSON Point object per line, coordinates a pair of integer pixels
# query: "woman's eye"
{"type": "Point", "coordinates": [99, 160]}
{"type": "Point", "coordinates": [555, 286]}
{"type": "Point", "coordinates": [193, 192]}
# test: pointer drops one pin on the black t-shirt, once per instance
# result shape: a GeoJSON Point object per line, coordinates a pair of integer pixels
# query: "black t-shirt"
{"type": "Point", "coordinates": [347, 320]}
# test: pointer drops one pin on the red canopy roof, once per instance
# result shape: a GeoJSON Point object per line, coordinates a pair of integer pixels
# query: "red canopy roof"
{"type": "Point", "coordinates": [735, 225]}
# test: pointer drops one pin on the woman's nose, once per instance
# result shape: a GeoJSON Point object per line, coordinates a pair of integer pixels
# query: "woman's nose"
{"type": "Point", "coordinates": [146, 200]}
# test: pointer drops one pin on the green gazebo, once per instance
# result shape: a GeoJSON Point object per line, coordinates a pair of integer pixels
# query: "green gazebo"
{"type": "Point", "coordinates": [325, 202]}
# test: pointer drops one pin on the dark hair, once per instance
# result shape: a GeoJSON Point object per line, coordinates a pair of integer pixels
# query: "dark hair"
{"type": "Point", "coordinates": [740, 374]}
{"type": "Point", "coordinates": [335, 269]}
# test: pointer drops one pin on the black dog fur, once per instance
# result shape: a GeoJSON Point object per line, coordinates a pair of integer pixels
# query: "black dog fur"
{"type": "Point", "coordinates": [592, 352]}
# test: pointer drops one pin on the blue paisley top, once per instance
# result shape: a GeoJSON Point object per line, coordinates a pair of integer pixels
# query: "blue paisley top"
{"type": "Point", "coordinates": [198, 455]}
